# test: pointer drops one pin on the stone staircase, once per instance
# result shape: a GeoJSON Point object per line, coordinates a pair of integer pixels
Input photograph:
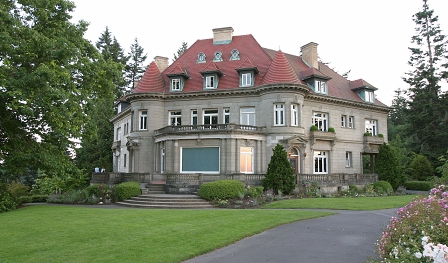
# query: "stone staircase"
{"type": "Point", "coordinates": [153, 196]}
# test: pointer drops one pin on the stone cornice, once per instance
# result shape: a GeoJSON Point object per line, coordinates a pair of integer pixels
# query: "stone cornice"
{"type": "Point", "coordinates": [339, 101]}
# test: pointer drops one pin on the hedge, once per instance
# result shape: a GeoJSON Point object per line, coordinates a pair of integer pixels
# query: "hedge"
{"type": "Point", "coordinates": [127, 190]}
{"type": "Point", "coordinates": [418, 185]}
{"type": "Point", "coordinates": [221, 189]}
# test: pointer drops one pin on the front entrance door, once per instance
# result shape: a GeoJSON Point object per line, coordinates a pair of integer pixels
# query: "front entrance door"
{"type": "Point", "coordinates": [293, 160]}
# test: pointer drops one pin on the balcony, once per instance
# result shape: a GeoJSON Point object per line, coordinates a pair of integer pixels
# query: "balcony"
{"type": "Point", "coordinates": [372, 144]}
{"type": "Point", "coordinates": [210, 128]}
{"type": "Point", "coordinates": [323, 136]}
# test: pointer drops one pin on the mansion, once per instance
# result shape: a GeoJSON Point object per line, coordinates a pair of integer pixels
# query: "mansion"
{"type": "Point", "coordinates": [223, 105]}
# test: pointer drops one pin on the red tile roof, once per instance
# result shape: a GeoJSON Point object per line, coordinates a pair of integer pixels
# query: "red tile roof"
{"type": "Point", "coordinates": [280, 71]}
{"type": "Point", "coordinates": [360, 83]}
{"type": "Point", "coordinates": [152, 80]}
{"type": "Point", "coordinates": [211, 68]}
{"type": "Point", "coordinates": [273, 67]}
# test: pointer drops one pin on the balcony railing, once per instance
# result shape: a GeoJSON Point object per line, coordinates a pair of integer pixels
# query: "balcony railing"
{"type": "Point", "coordinates": [338, 179]}
{"type": "Point", "coordinates": [209, 128]}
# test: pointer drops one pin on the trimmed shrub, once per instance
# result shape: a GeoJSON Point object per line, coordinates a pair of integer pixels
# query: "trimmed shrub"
{"type": "Point", "coordinates": [418, 185]}
{"type": "Point", "coordinates": [280, 177]}
{"type": "Point", "coordinates": [420, 168]}
{"type": "Point", "coordinates": [127, 190]}
{"type": "Point", "coordinates": [314, 128]}
{"type": "Point", "coordinates": [331, 129]}
{"type": "Point", "coordinates": [388, 166]}
{"type": "Point", "coordinates": [25, 199]}
{"type": "Point", "coordinates": [221, 189]}
{"type": "Point", "coordinates": [6, 200]}
{"type": "Point", "coordinates": [383, 187]}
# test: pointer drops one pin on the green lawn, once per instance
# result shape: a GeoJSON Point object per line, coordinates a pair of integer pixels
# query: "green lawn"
{"type": "Point", "coordinates": [78, 234]}
{"type": "Point", "coordinates": [360, 203]}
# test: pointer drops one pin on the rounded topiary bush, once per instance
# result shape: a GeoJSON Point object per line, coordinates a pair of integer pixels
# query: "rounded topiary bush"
{"type": "Point", "coordinates": [221, 189]}
{"type": "Point", "coordinates": [382, 187]}
{"type": "Point", "coordinates": [127, 190]}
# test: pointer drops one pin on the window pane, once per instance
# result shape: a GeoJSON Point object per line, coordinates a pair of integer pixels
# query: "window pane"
{"type": "Point", "coordinates": [200, 159]}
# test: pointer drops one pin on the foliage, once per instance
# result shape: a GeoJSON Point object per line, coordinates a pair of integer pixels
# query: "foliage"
{"type": "Point", "coordinates": [426, 115]}
{"type": "Point", "coordinates": [126, 190]}
{"type": "Point", "coordinates": [380, 135]}
{"type": "Point", "coordinates": [443, 168]}
{"type": "Point", "coordinates": [418, 185]}
{"type": "Point", "coordinates": [6, 200]}
{"type": "Point", "coordinates": [367, 134]}
{"type": "Point", "coordinates": [331, 129]}
{"type": "Point", "coordinates": [135, 67]}
{"type": "Point", "coordinates": [221, 189]}
{"type": "Point", "coordinates": [422, 222]}
{"type": "Point", "coordinates": [404, 155]}
{"type": "Point", "coordinates": [383, 187]}
{"type": "Point", "coordinates": [388, 166]}
{"type": "Point", "coordinates": [181, 50]}
{"type": "Point", "coordinates": [420, 168]}
{"type": "Point", "coordinates": [48, 74]}
{"type": "Point", "coordinates": [47, 185]}
{"type": "Point", "coordinates": [279, 176]}
{"type": "Point", "coordinates": [254, 191]}
{"type": "Point", "coordinates": [74, 197]}
{"type": "Point", "coordinates": [33, 199]}
{"type": "Point", "coordinates": [314, 128]}
{"type": "Point", "coordinates": [312, 189]}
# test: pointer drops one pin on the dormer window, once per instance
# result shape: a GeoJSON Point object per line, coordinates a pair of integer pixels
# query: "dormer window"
{"type": "Point", "coordinates": [178, 76]}
{"type": "Point", "coordinates": [218, 56]}
{"type": "Point", "coordinates": [175, 84]}
{"type": "Point", "coordinates": [364, 90]}
{"type": "Point", "coordinates": [247, 79]}
{"type": "Point", "coordinates": [211, 75]}
{"type": "Point", "coordinates": [369, 96]}
{"type": "Point", "coordinates": [210, 82]}
{"type": "Point", "coordinates": [320, 86]}
{"type": "Point", "coordinates": [247, 72]}
{"type": "Point", "coordinates": [235, 55]}
{"type": "Point", "coordinates": [201, 58]}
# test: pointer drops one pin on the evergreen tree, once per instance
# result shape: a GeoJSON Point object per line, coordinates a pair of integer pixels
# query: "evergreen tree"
{"type": "Point", "coordinates": [181, 50]}
{"type": "Point", "coordinates": [427, 133]}
{"type": "Point", "coordinates": [420, 168]}
{"type": "Point", "coordinates": [396, 122]}
{"type": "Point", "coordinates": [388, 166]}
{"type": "Point", "coordinates": [280, 176]}
{"type": "Point", "coordinates": [135, 68]}
{"type": "Point", "coordinates": [48, 74]}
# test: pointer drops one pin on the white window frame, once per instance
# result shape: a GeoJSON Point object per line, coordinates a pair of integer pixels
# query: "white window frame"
{"type": "Point", "coordinates": [294, 115]}
{"type": "Point", "coordinates": [369, 96]}
{"type": "Point", "coordinates": [321, 162]}
{"type": "Point", "coordinates": [194, 117]}
{"type": "Point", "coordinates": [351, 122]}
{"type": "Point", "coordinates": [279, 114]}
{"type": "Point", "coordinates": [343, 121]}
{"type": "Point", "coordinates": [320, 119]}
{"type": "Point", "coordinates": [175, 84]}
{"type": "Point", "coordinates": [210, 113]}
{"type": "Point", "coordinates": [119, 134]}
{"type": "Point", "coordinates": [175, 118]}
{"type": "Point", "coordinates": [247, 79]}
{"type": "Point", "coordinates": [247, 155]}
{"type": "Point", "coordinates": [348, 159]}
{"type": "Point", "coordinates": [247, 114]}
{"type": "Point", "coordinates": [371, 126]}
{"type": "Point", "coordinates": [210, 82]}
{"type": "Point", "coordinates": [320, 86]}
{"type": "Point", "coordinates": [226, 117]}
{"type": "Point", "coordinates": [143, 117]}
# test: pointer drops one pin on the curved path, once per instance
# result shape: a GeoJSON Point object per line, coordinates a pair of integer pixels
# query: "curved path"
{"type": "Point", "coordinates": [347, 237]}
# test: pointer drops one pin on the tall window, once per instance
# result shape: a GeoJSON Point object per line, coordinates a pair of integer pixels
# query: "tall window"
{"type": "Point", "coordinates": [369, 97]}
{"type": "Point", "coordinates": [320, 162]}
{"type": "Point", "coordinates": [320, 119]}
{"type": "Point", "coordinates": [124, 160]}
{"type": "Point", "coordinates": [194, 117]}
{"type": "Point", "coordinates": [175, 84]}
{"type": "Point", "coordinates": [210, 117]}
{"type": "Point", "coordinates": [294, 115]}
{"type": "Point", "coordinates": [246, 159]}
{"type": "Point", "coordinates": [351, 122]}
{"type": "Point", "coordinates": [371, 127]}
{"type": "Point", "coordinates": [126, 128]}
{"type": "Point", "coordinates": [143, 119]}
{"type": "Point", "coordinates": [343, 120]}
{"type": "Point", "coordinates": [247, 116]}
{"type": "Point", "coordinates": [246, 79]}
{"type": "Point", "coordinates": [279, 114]}
{"type": "Point", "coordinates": [226, 115]}
{"type": "Point", "coordinates": [321, 86]}
{"type": "Point", "coordinates": [348, 159]}
{"type": "Point", "coordinates": [118, 133]}
{"type": "Point", "coordinates": [210, 82]}
{"type": "Point", "coordinates": [162, 160]}
{"type": "Point", "coordinates": [175, 118]}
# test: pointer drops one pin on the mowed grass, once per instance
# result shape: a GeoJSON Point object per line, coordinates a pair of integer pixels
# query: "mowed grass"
{"type": "Point", "coordinates": [360, 203]}
{"type": "Point", "coordinates": [44, 233]}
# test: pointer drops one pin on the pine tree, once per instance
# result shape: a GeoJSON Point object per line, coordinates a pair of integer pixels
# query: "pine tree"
{"type": "Point", "coordinates": [135, 68]}
{"type": "Point", "coordinates": [388, 166]}
{"type": "Point", "coordinates": [280, 175]}
{"type": "Point", "coordinates": [427, 133]}
{"type": "Point", "coordinates": [396, 122]}
{"type": "Point", "coordinates": [181, 50]}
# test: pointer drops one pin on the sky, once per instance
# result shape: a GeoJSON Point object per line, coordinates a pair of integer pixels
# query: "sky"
{"type": "Point", "coordinates": [369, 38]}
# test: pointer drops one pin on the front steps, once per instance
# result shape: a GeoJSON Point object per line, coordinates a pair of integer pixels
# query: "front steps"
{"type": "Point", "coordinates": [166, 201]}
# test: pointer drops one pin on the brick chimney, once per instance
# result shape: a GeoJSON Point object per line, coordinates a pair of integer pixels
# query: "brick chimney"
{"type": "Point", "coordinates": [222, 36]}
{"type": "Point", "coordinates": [309, 55]}
{"type": "Point", "coordinates": [161, 62]}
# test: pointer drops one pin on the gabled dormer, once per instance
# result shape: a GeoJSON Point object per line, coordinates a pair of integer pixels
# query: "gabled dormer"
{"type": "Point", "coordinates": [211, 75]}
{"type": "Point", "coordinates": [364, 90]}
{"type": "Point", "coordinates": [246, 72]}
{"type": "Point", "coordinates": [178, 76]}
{"type": "Point", "coordinates": [316, 80]}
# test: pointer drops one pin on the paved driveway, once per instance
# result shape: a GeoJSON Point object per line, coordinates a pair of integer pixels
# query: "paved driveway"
{"type": "Point", "coordinates": [348, 237]}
